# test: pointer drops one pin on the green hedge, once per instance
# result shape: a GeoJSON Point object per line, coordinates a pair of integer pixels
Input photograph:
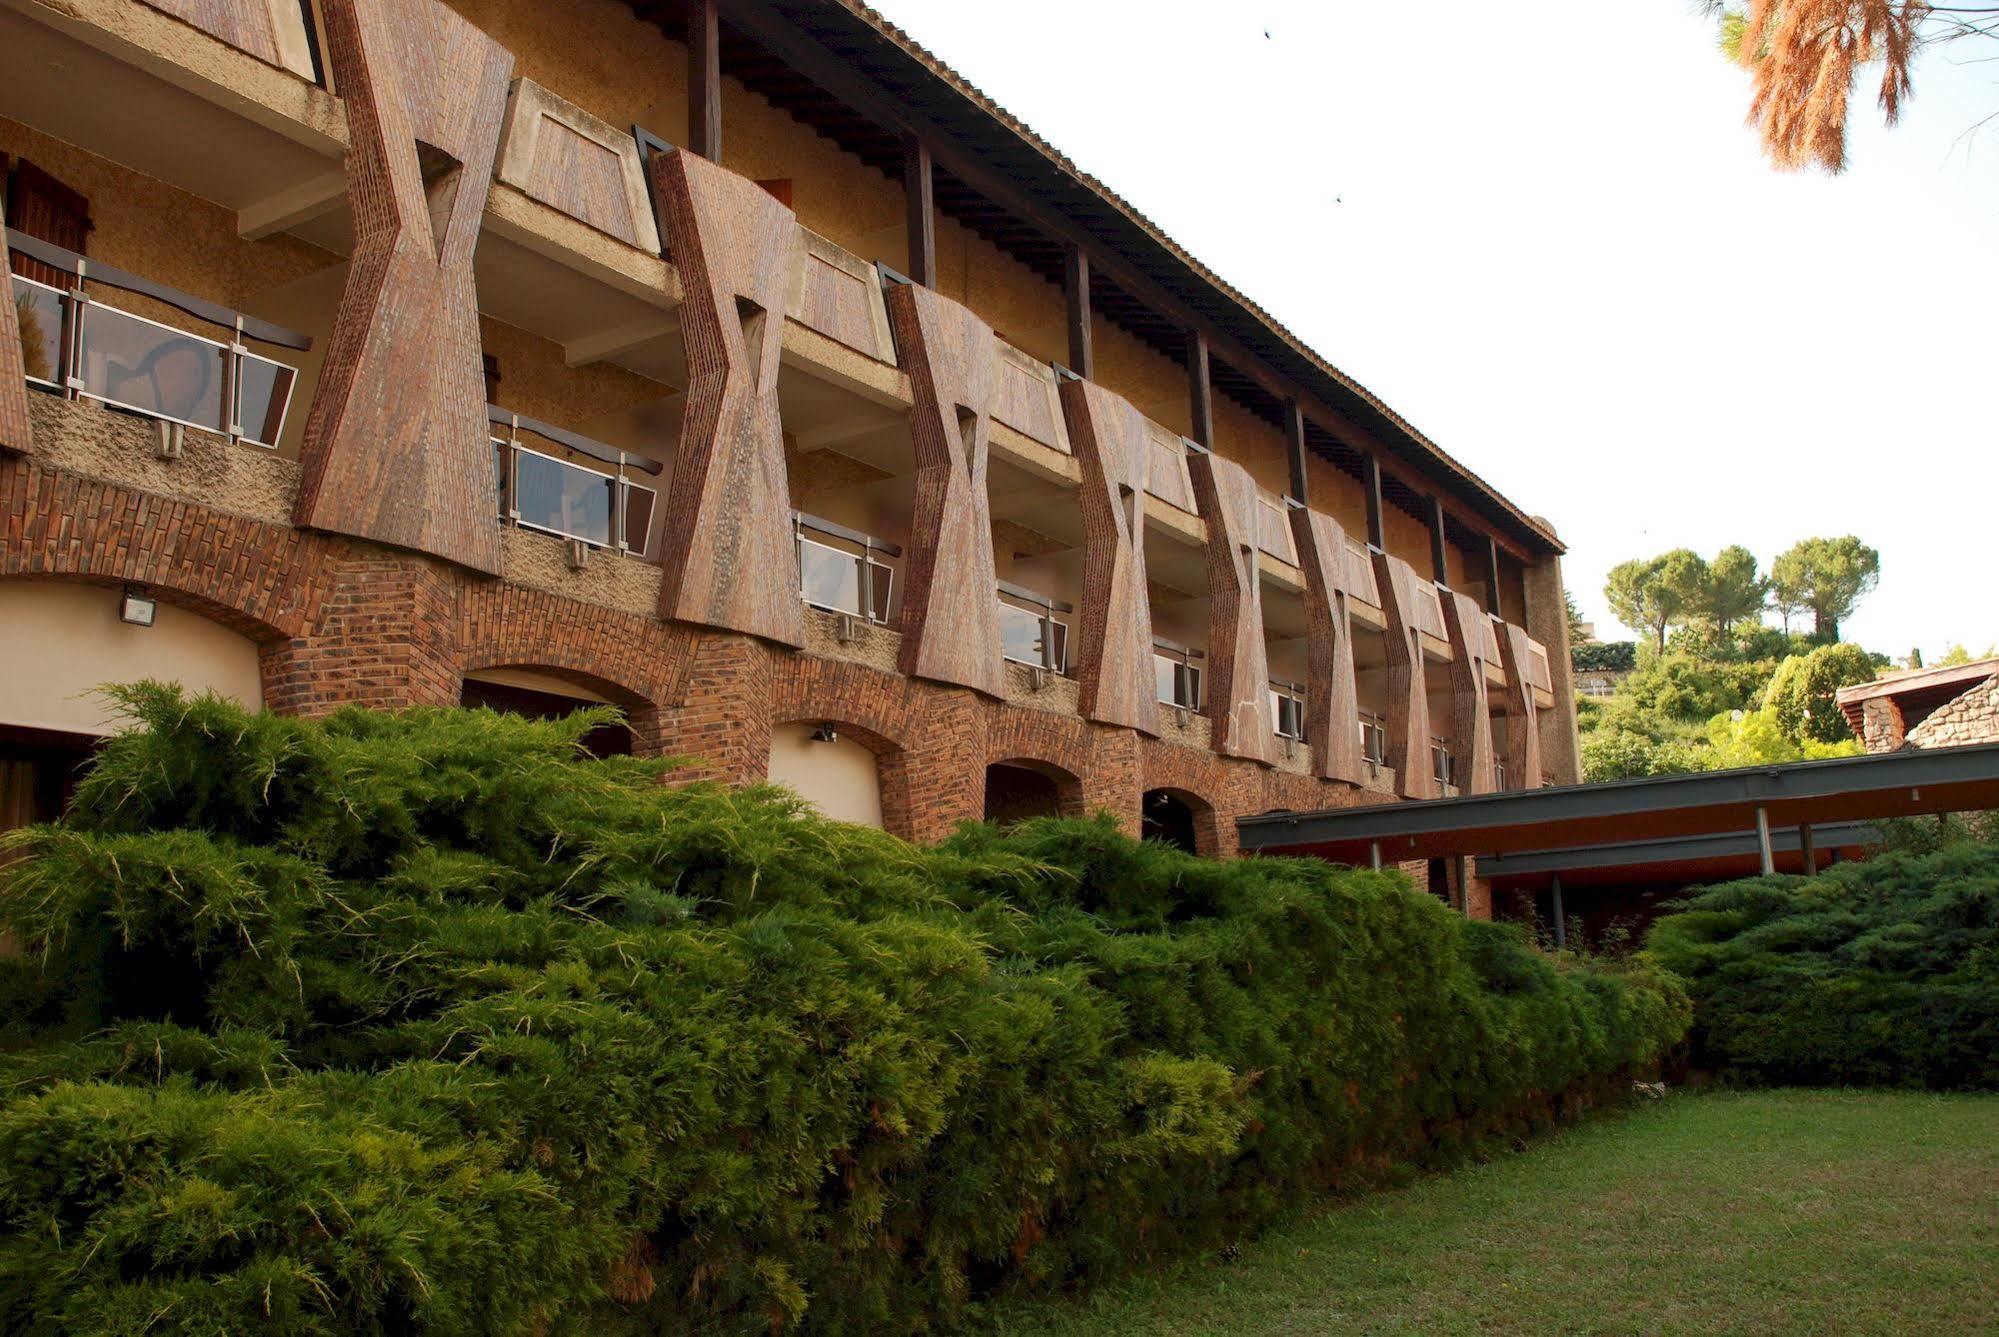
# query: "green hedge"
{"type": "Point", "coordinates": [1876, 973]}
{"type": "Point", "coordinates": [425, 1023]}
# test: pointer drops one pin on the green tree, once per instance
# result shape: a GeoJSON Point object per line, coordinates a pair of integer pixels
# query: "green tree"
{"type": "Point", "coordinates": [1802, 692]}
{"type": "Point", "coordinates": [1655, 594]}
{"type": "Point", "coordinates": [1735, 590]}
{"type": "Point", "coordinates": [1827, 576]}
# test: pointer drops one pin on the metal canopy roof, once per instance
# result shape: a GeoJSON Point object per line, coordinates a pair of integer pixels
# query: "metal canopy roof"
{"type": "Point", "coordinates": [1673, 862]}
{"type": "Point", "coordinates": [1816, 793]}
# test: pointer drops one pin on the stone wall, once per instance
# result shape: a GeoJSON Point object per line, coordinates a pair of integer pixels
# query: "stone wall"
{"type": "Point", "coordinates": [1971, 718]}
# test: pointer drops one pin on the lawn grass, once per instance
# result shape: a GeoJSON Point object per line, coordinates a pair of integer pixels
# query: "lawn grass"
{"type": "Point", "coordinates": [1775, 1211]}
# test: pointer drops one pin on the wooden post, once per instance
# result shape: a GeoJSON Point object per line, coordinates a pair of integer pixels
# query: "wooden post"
{"type": "Point", "coordinates": [1808, 848]}
{"type": "Point", "coordinates": [1440, 570]}
{"type": "Point", "coordinates": [704, 79]}
{"type": "Point", "coordinates": [1082, 350]}
{"type": "Point", "coordinates": [1200, 392]}
{"type": "Point", "coordinates": [1561, 921]}
{"type": "Point", "coordinates": [1763, 839]}
{"type": "Point", "coordinates": [1294, 430]}
{"type": "Point", "coordinates": [1370, 481]}
{"type": "Point", "coordinates": [919, 191]}
{"type": "Point", "coordinates": [1492, 575]}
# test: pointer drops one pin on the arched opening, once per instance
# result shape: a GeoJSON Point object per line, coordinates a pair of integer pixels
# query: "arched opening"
{"type": "Point", "coordinates": [1171, 817]}
{"type": "Point", "coordinates": [829, 768]}
{"type": "Point", "coordinates": [65, 639]}
{"type": "Point", "coordinates": [1019, 790]}
{"type": "Point", "coordinates": [543, 696]}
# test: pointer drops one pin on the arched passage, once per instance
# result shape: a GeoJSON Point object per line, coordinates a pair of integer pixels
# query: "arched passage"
{"type": "Point", "coordinates": [60, 640]}
{"type": "Point", "coordinates": [1177, 818]}
{"type": "Point", "coordinates": [1019, 789]}
{"type": "Point", "coordinates": [836, 768]}
{"type": "Point", "coordinates": [540, 695]}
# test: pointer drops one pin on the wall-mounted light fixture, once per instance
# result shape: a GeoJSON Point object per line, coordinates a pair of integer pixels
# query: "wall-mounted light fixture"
{"type": "Point", "coordinates": [825, 733]}
{"type": "Point", "coordinates": [137, 607]}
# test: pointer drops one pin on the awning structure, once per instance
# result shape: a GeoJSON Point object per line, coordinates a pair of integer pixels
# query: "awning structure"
{"type": "Point", "coordinates": [1619, 820]}
{"type": "Point", "coordinates": [1677, 861]}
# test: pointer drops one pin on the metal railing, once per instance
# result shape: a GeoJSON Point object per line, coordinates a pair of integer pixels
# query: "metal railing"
{"type": "Point", "coordinates": [80, 348]}
{"type": "Point", "coordinates": [838, 569]}
{"type": "Point", "coordinates": [543, 491]}
{"type": "Point", "coordinates": [1287, 709]}
{"type": "Point", "coordinates": [1373, 738]}
{"type": "Point", "coordinates": [1177, 676]}
{"type": "Point", "coordinates": [1030, 633]}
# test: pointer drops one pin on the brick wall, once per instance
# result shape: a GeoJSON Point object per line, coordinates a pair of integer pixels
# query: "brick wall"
{"type": "Point", "coordinates": [341, 620]}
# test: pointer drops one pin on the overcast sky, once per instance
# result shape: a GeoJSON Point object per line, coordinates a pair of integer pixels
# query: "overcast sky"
{"type": "Point", "coordinates": [1552, 244]}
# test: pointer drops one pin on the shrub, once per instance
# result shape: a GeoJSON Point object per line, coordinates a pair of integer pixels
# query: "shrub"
{"type": "Point", "coordinates": [1604, 656]}
{"type": "Point", "coordinates": [1879, 973]}
{"type": "Point", "coordinates": [1802, 692]}
{"type": "Point", "coordinates": [426, 1023]}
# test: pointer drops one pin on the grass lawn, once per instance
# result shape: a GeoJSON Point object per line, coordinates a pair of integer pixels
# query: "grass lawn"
{"type": "Point", "coordinates": [1781, 1211]}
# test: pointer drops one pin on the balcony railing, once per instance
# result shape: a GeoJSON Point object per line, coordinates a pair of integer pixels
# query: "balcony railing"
{"type": "Point", "coordinates": [1373, 739]}
{"type": "Point", "coordinates": [1287, 709]}
{"type": "Point", "coordinates": [1030, 633]}
{"type": "Point", "coordinates": [541, 490]}
{"type": "Point", "coordinates": [78, 347]}
{"type": "Point", "coordinates": [840, 571]}
{"type": "Point", "coordinates": [1177, 675]}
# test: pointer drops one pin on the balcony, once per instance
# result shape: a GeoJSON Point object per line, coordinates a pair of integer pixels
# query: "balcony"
{"type": "Point", "coordinates": [842, 570]}
{"type": "Point", "coordinates": [1442, 764]}
{"type": "Point", "coordinates": [77, 346]}
{"type": "Point", "coordinates": [557, 482]}
{"type": "Point", "coordinates": [1287, 709]}
{"type": "Point", "coordinates": [1030, 633]}
{"type": "Point", "coordinates": [1178, 675]}
{"type": "Point", "coordinates": [1373, 739]}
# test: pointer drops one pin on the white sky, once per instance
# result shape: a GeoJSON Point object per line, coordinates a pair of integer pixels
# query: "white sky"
{"type": "Point", "coordinates": [1551, 243]}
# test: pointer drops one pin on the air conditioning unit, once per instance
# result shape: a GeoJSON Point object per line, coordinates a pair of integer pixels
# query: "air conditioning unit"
{"type": "Point", "coordinates": [169, 440]}
{"type": "Point", "coordinates": [579, 554]}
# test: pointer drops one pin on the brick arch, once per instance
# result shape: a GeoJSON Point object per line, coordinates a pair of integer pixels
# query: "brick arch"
{"type": "Point", "coordinates": [1070, 797]}
{"type": "Point", "coordinates": [263, 580]}
{"type": "Point", "coordinates": [638, 663]}
{"type": "Point", "coordinates": [877, 706]}
{"type": "Point", "coordinates": [1013, 733]}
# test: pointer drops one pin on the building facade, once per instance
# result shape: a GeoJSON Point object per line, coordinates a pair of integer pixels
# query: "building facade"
{"type": "Point", "coordinates": [1951, 706]}
{"type": "Point", "coordinates": [738, 364]}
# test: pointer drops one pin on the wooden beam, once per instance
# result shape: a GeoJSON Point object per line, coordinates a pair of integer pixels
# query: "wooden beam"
{"type": "Point", "coordinates": [920, 192]}
{"type": "Point", "coordinates": [1294, 431]}
{"type": "Point", "coordinates": [1082, 352]}
{"type": "Point", "coordinates": [1440, 570]}
{"type": "Point", "coordinates": [792, 45]}
{"type": "Point", "coordinates": [1200, 391]}
{"type": "Point", "coordinates": [1370, 483]}
{"type": "Point", "coordinates": [1492, 575]}
{"type": "Point", "coordinates": [704, 79]}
